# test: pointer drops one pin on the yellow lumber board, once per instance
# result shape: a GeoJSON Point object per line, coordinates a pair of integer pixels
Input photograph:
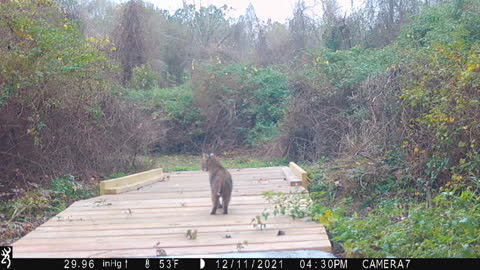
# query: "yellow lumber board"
{"type": "Point", "coordinates": [299, 172]}
{"type": "Point", "coordinates": [131, 179]}
{"type": "Point", "coordinates": [291, 178]}
{"type": "Point", "coordinates": [134, 186]}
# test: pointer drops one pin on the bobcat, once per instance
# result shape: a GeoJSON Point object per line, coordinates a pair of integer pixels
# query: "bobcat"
{"type": "Point", "coordinates": [220, 183]}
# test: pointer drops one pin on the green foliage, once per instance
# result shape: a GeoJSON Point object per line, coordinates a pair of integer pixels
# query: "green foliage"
{"type": "Point", "coordinates": [51, 47]}
{"type": "Point", "coordinates": [66, 186]}
{"type": "Point", "coordinates": [143, 78]}
{"type": "Point", "coordinates": [57, 79]}
{"type": "Point", "coordinates": [296, 205]}
{"type": "Point", "coordinates": [445, 24]}
{"type": "Point", "coordinates": [255, 97]}
{"type": "Point", "coordinates": [450, 228]}
{"type": "Point", "coordinates": [236, 103]}
{"type": "Point", "coordinates": [348, 68]}
{"type": "Point", "coordinates": [175, 104]}
{"type": "Point", "coordinates": [439, 94]}
{"type": "Point", "coordinates": [95, 112]}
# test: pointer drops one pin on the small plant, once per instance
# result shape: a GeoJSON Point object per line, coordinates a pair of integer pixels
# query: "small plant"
{"type": "Point", "coordinates": [191, 234]}
{"type": "Point", "coordinates": [296, 205]}
{"type": "Point", "coordinates": [258, 223]}
{"type": "Point", "coordinates": [67, 187]}
{"type": "Point", "coordinates": [241, 246]}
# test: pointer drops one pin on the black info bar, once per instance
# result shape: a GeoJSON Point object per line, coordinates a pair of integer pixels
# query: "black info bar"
{"type": "Point", "coordinates": [235, 263]}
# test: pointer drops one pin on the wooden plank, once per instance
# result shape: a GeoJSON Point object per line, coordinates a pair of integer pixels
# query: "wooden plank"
{"type": "Point", "coordinates": [158, 223]}
{"type": "Point", "coordinates": [166, 211]}
{"type": "Point", "coordinates": [168, 202]}
{"type": "Point", "coordinates": [112, 232]}
{"type": "Point", "coordinates": [160, 212]}
{"type": "Point", "coordinates": [204, 183]}
{"type": "Point", "coordinates": [133, 181]}
{"type": "Point", "coordinates": [172, 242]}
{"type": "Point", "coordinates": [299, 173]}
{"type": "Point", "coordinates": [291, 178]}
{"type": "Point", "coordinates": [179, 238]}
{"type": "Point", "coordinates": [134, 186]}
{"type": "Point", "coordinates": [152, 252]}
{"type": "Point", "coordinates": [256, 191]}
{"type": "Point", "coordinates": [234, 217]}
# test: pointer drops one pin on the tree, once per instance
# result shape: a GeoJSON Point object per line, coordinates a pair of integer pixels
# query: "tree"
{"type": "Point", "coordinates": [130, 40]}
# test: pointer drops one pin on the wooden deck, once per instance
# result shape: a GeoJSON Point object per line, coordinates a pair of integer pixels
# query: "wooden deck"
{"type": "Point", "coordinates": [154, 220]}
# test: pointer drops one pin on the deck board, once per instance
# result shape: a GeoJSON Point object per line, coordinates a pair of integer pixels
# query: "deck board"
{"type": "Point", "coordinates": [139, 223]}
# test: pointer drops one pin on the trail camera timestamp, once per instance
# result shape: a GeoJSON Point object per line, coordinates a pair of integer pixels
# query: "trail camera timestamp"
{"type": "Point", "coordinates": [323, 264]}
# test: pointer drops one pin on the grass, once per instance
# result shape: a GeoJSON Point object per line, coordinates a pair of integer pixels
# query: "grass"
{"type": "Point", "coordinates": [172, 163]}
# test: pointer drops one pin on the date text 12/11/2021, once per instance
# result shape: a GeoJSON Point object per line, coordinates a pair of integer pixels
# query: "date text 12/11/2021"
{"type": "Point", "coordinates": [281, 264]}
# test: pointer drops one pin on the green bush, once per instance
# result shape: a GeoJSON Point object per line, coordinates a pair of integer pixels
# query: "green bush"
{"type": "Point", "coordinates": [67, 187]}
{"type": "Point", "coordinates": [450, 228]}
{"type": "Point", "coordinates": [143, 78]}
{"type": "Point", "coordinates": [222, 106]}
{"type": "Point", "coordinates": [244, 101]}
{"type": "Point", "coordinates": [347, 69]}
{"type": "Point", "coordinates": [174, 104]}
{"type": "Point", "coordinates": [439, 97]}
{"type": "Point", "coordinates": [445, 24]}
{"type": "Point", "coordinates": [58, 80]}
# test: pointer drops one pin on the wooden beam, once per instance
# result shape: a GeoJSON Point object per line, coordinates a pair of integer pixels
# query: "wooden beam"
{"type": "Point", "coordinates": [131, 182]}
{"type": "Point", "coordinates": [291, 178]}
{"type": "Point", "coordinates": [300, 173]}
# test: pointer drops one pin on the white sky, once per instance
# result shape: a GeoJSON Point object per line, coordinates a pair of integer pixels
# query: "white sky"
{"type": "Point", "coordinates": [277, 10]}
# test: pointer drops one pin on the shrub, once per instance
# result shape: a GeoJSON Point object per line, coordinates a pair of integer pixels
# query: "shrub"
{"type": "Point", "coordinates": [441, 98]}
{"type": "Point", "coordinates": [56, 115]}
{"type": "Point", "coordinates": [143, 78]}
{"type": "Point", "coordinates": [175, 108]}
{"type": "Point", "coordinates": [448, 229]}
{"type": "Point", "coordinates": [66, 186]}
{"type": "Point", "coordinates": [335, 97]}
{"type": "Point", "coordinates": [239, 103]}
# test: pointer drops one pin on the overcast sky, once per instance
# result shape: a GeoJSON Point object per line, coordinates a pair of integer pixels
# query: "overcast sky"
{"type": "Point", "coordinates": [277, 10]}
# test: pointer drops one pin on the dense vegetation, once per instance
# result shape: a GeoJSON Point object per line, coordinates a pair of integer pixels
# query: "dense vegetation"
{"type": "Point", "coordinates": [381, 105]}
